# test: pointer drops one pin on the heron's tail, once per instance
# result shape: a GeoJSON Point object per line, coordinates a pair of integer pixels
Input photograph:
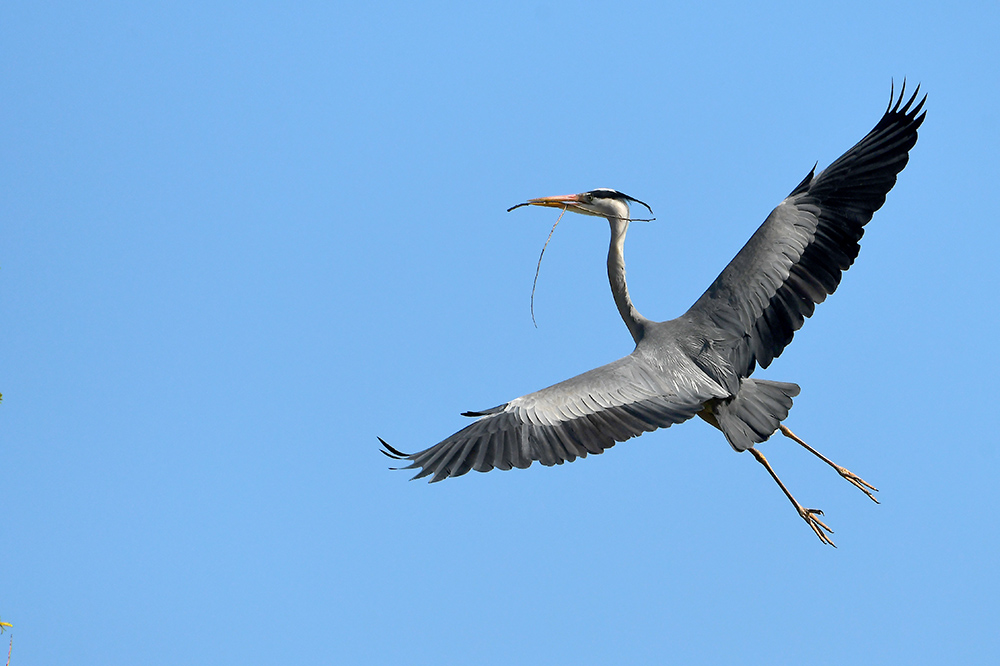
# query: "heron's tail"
{"type": "Point", "coordinates": [755, 412]}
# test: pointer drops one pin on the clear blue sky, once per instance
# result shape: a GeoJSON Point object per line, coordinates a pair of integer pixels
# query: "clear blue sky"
{"type": "Point", "coordinates": [239, 242]}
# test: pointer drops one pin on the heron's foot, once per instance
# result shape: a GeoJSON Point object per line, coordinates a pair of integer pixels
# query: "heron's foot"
{"type": "Point", "coordinates": [856, 480]}
{"type": "Point", "coordinates": [809, 515]}
{"type": "Point", "coordinates": [818, 526]}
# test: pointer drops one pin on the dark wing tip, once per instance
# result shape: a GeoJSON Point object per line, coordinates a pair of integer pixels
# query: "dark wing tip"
{"type": "Point", "coordinates": [804, 185]}
{"type": "Point", "coordinates": [392, 452]}
{"type": "Point", "coordinates": [487, 412]}
{"type": "Point", "coordinates": [907, 110]}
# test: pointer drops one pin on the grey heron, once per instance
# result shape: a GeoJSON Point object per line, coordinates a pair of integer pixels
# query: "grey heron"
{"type": "Point", "coordinates": [700, 364]}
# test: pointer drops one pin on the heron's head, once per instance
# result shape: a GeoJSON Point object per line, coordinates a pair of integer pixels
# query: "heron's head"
{"type": "Point", "coordinates": [602, 202]}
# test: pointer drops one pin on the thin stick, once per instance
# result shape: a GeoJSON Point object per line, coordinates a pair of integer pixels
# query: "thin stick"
{"type": "Point", "coordinates": [539, 266]}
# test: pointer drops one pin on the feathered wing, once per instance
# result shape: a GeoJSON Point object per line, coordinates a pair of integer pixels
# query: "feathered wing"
{"type": "Point", "coordinates": [583, 415]}
{"type": "Point", "coordinates": [796, 258]}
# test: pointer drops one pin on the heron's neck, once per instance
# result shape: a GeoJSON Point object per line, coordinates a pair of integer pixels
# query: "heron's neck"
{"type": "Point", "coordinates": [616, 274]}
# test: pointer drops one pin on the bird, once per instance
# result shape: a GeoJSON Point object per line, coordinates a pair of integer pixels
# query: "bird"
{"type": "Point", "coordinates": [700, 364]}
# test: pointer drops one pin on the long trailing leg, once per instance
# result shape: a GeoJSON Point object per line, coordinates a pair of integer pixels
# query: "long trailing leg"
{"type": "Point", "coordinates": [860, 483]}
{"type": "Point", "coordinates": [808, 515]}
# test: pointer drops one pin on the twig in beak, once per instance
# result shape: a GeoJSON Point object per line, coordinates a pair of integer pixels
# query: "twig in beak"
{"type": "Point", "coordinates": [539, 267]}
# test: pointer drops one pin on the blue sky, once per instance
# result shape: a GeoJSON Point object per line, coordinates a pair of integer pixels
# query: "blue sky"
{"type": "Point", "coordinates": [239, 242]}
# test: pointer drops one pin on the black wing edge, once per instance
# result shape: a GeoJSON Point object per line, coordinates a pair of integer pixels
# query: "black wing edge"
{"type": "Point", "coordinates": [392, 452]}
{"type": "Point", "coordinates": [902, 93]}
{"type": "Point", "coordinates": [487, 412]}
{"type": "Point", "coordinates": [884, 149]}
{"type": "Point", "coordinates": [895, 112]}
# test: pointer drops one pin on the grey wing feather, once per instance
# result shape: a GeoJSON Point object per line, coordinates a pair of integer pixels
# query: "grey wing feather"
{"type": "Point", "coordinates": [583, 415]}
{"type": "Point", "coordinates": [796, 258]}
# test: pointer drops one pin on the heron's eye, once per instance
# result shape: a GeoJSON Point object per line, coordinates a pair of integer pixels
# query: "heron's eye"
{"type": "Point", "coordinates": [588, 198]}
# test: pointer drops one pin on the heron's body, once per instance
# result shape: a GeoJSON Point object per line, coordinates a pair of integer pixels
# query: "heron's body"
{"type": "Point", "coordinates": [700, 363]}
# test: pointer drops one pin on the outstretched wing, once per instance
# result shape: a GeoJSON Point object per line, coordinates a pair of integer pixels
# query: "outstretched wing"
{"type": "Point", "coordinates": [585, 414]}
{"type": "Point", "coordinates": [796, 258]}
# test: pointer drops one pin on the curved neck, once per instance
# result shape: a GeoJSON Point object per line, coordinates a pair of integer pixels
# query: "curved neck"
{"type": "Point", "coordinates": [616, 275]}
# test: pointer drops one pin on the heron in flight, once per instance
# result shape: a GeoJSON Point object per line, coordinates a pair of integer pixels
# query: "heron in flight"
{"type": "Point", "coordinates": [701, 363]}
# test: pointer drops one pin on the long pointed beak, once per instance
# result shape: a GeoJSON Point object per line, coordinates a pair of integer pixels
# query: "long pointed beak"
{"type": "Point", "coordinates": [561, 201]}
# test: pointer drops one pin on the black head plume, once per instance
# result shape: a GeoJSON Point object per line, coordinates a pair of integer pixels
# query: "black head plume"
{"type": "Point", "coordinates": [607, 193]}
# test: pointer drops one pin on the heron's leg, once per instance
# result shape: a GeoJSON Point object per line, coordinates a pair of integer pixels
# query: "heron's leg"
{"type": "Point", "coordinates": [808, 515]}
{"type": "Point", "coordinates": [843, 471]}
